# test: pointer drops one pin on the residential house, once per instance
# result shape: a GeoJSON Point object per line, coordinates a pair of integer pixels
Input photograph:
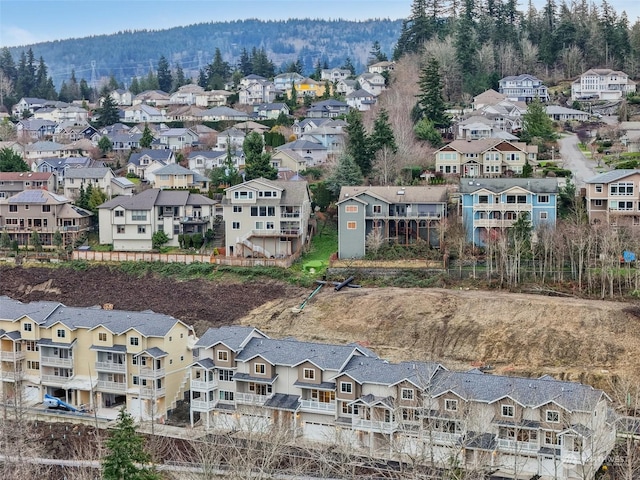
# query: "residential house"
{"type": "Point", "coordinates": [613, 198]}
{"type": "Point", "coordinates": [190, 94]}
{"type": "Point", "coordinates": [183, 113]}
{"type": "Point", "coordinates": [332, 394]}
{"type": "Point", "coordinates": [60, 166]}
{"type": "Point", "coordinates": [143, 113]}
{"type": "Point", "coordinates": [154, 98]}
{"type": "Point", "coordinates": [327, 109]}
{"type": "Point", "coordinates": [128, 223]}
{"type": "Point", "coordinates": [381, 67]}
{"type": "Point", "coordinates": [523, 88]}
{"type": "Point", "coordinates": [491, 205]}
{"type": "Point", "coordinates": [335, 74]}
{"type": "Point", "coordinates": [12, 183]}
{"type": "Point", "coordinates": [400, 215]}
{"type": "Point", "coordinates": [361, 100]}
{"type": "Point", "coordinates": [177, 138]}
{"type": "Point", "coordinates": [124, 141]}
{"type": "Point", "coordinates": [35, 129]}
{"type": "Point", "coordinates": [96, 358]}
{"type": "Point", "coordinates": [43, 149]}
{"type": "Point", "coordinates": [479, 125]}
{"type": "Point", "coordinates": [488, 157]}
{"type": "Point", "coordinates": [249, 79]}
{"type": "Point", "coordinates": [308, 88]}
{"type": "Point", "coordinates": [201, 161]}
{"type": "Point", "coordinates": [266, 218]}
{"type": "Point", "coordinates": [146, 161]}
{"type": "Point", "coordinates": [345, 87]}
{"type": "Point", "coordinates": [284, 81]}
{"type": "Point", "coordinates": [302, 126]}
{"type": "Point", "coordinates": [256, 92]}
{"type": "Point", "coordinates": [314, 153]}
{"type": "Point", "coordinates": [76, 179]}
{"type": "Point", "coordinates": [631, 136]}
{"type": "Point", "coordinates": [28, 104]}
{"type": "Point", "coordinates": [174, 176]}
{"type": "Point", "coordinates": [602, 84]}
{"type": "Point", "coordinates": [333, 138]}
{"type": "Point", "coordinates": [488, 97]}
{"type": "Point", "coordinates": [564, 114]}
{"type": "Point", "coordinates": [72, 113]}
{"type": "Point", "coordinates": [82, 147]}
{"type": "Point", "coordinates": [217, 114]}
{"type": "Point", "coordinates": [373, 83]}
{"type": "Point", "coordinates": [251, 126]}
{"type": "Point", "coordinates": [271, 110]}
{"type": "Point", "coordinates": [289, 160]}
{"type": "Point", "coordinates": [122, 97]}
{"type": "Point", "coordinates": [44, 212]}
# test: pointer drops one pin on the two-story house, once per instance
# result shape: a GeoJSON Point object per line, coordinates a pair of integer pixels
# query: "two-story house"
{"type": "Point", "coordinates": [380, 67]}
{"type": "Point", "coordinates": [16, 182]}
{"type": "Point", "coordinates": [284, 81]}
{"type": "Point", "coordinates": [174, 176]}
{"type": "Point", "coordinates": [155, 98]}
{"type": "Point", "coordinates": [485, 157]}
{"type": "Point", "coordinates": [266, 218]}
{"type": "Point", "coordinates": [177, 138]}
{"type": "Point", "coordinates": [96, 358]}
{"type": "Point", "coordinates": [143, 113]}
{"type": "Point", "coordinates": [613, 198]}
{"type": "Point", "coordinates": [401, 215]}
{"type": "Point", "coordinates": [373, 83]}
{"type": "Point", "coordinates": [335, 74]}
{"type": "Point", "coordinates": [35, 129]}
{"type": "Point", "coordinates": [257, 91]}
{"type": "Point", "coordinates": [140, 163]}
{"type": "Point", "coordinates": [44, 212]}
{"type": "Point", "coordinates": [489, 206]}
{"type": "Point", "coordinates": [60, 166]}
{"type": "Point", "coordinates": [128, 223]}
{"type": "Point", "coordinates": [523, 88]}
{"type": "Point", "coordinates": [217, 114]}
{"type": "Point", "coordinates": [327, 109]}
{"type": "Point", "coordinates": [200, 161]}
{"type": "Point", "coordinates": [314, 152]}
{"type": "Point", "coordinates": [361, 100]}
{"type": "Point", "coordinates": [80, 178]}
{"type": "Point", "coordinates": [602, 84]}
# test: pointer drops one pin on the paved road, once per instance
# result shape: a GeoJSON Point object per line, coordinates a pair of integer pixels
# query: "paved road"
{"type": "Point", "coordinates": [573, 159]}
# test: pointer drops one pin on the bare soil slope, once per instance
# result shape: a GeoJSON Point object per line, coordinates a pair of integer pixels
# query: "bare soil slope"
{"type": "Point", "coordinates": [529, 334]}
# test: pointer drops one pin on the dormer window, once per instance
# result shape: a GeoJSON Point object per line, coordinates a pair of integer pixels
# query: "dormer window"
{"type": "Point", "coordinates": [508, 411]}
{"type": "Point", "coordinates": [309, 374]}
{"type": "Point", "coordinates": [553, 416]}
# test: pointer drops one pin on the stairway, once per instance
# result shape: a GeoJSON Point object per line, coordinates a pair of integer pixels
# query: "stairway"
{"type": "Point", "coordinates": [180, 393]}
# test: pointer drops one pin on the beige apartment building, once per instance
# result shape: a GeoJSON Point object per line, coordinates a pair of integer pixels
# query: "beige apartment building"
{"type": "Point", "coordinates": [94, 358]}
{"type": "Point", "coordinates": [613, 198]}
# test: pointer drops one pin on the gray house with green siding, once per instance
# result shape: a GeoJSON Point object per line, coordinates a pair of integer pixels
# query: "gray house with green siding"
{"type": "Point", "coordinates": [401, 215]}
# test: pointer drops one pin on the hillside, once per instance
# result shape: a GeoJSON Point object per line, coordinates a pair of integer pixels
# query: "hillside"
{"type": "Point", "coordinates": [128, 53]}
{"type": "Point", "coordinates": [576, 339]}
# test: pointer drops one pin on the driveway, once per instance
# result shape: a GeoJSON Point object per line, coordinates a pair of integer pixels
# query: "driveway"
{"type": "Point", "coordinates": [573, 159]}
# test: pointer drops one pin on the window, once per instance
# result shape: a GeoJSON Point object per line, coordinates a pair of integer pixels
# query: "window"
{"type": "Point", "coordinates": [522, 199]}
{"type": "Point", "coordinates": [407, 393]}
{"type": "Point", "coordinates": [142, 229]}
{"type": "Point", "coordinates": [225, 375]}
{"type": "Point", "coordinates": [223, 355]}
{"type": "Point", "coordinates": [507, 411]}
{"type": "Point", "coordinates": [243, 195]}
{"type": "Point", "coordinates": [27, 327]}
{"type": "Point", "coordinates": [46, 208]}
{"type": "Point", "coordinates": [543, 215]}
{"type": "Point", "coordinates": [550, 438]}
{"type": "Point", "coordinates": [120, 229]}
{"type": "Point", "coordinates": [235, 225]}
{"type": "Point", "coordinates": [13, 208]}
{"type": "Point", "coordinates": [543, 198]}
{"type": "Point", "coordinates": [553, 416]}
{"type": "Point", "coordinates": [31, 346]}
{"type": "Point", "coordinates": [377, 209]}
{"type": "Point", "coordinates": [621, 188]}
{"type": "Point", "coordinates": [597, 203]}
{"type": "Point", "coordinates": [351, 209]}
{"type": "Point", "coordinates": [139, 215]}
{"type": "Point", "coordinates": [451, 405]}
{"type": "Point", "coordinates": [259, 368]}
{"type": "Point", "coordinates": [346, 387]}
{"type": "Point", "coordinates": [228, 396]}
{"type": "Point", "coordinates": [237, 209]}
{"type": "Point", "coordinates": [102, 337]}
{"type": "Point", "coordinates": [599, 188]}
{"type": "Point", "coordinates": [61, 333]}
{"type": "Point", "coordinates": [352, 225]}
{"type": "Point", "coordinates": [134, 341]}
{"type": "Point", "coordinates": [483, 199]}
{"type": "Point", "coordinates": [119, 213]}
{"type": "Point", "coordinates": [349, 409]}
{"type": "Point", "coordinates": [309, 374]}
{"type": "Point", "coordinates": [32, 365]}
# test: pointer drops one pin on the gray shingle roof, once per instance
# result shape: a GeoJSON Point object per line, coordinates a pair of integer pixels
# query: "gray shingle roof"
{"type": "Point", "coordinates": [173, 169]}
{"type": "Point", "coordinates": [100, 172]}
{"type": "Point", "coordinates": [115, 348]}
{"type": "Point", "coordinates": [497, 185]}
{"type": "Point", "coordinates": [612, 176]}
{"type": "Point", "coordinates": [376, 370]}
{"type": "Point", "coordinates": [143, 201]}
{"type": "Point", "coordinates": [37, 311]}
{"type": "Point", "coordinates": [245, 377]}
{"type": "Point", "coordinates": [280, 401]}
{"type": "Point", "coordinates": [162, 155]}
{"type": "Point", "coordinates": [154, 352]}
{"type": "Point", "coordinates": [232, 337]}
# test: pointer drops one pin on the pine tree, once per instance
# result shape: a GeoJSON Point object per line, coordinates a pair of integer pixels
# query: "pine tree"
{"type": "Point", "coordinates": [126, 458]}
{"type": "Point", "coordinates": [430, 100]}
{"type": "Point", "coordinates": [164, 75]}
{"type": "Point", "coordinates": [348, 65]}
{"type": "Point", "coordinates": [382, 135]}
{"type": "Point", "coordinates": [257, 163]}
{"type": "Point", "coordinates": [147, 137]}
{"type": "Point", "coordinates": [536, 123]}
{"type": "Point", "coordinates": [346, 173]}
{"type": "Point", "coordinates": [107, 112]}
{"type": "Point", "coordinates": [376, 55]}
{"type": "Point", "coordinates": [178, 79]}
{"type": "Point", "coordinates": [134, 88]}
{"type": "Point", "coordinates": [10, 161]}
{"type": "Point", "coordinates": [358, 144]}
{"type": "Point", "coordinates": [244, 64]}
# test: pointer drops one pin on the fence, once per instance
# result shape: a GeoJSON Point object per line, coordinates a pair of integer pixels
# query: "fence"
{"type": "Point", "coordinates": [139, 257]}
{"type": "Point", "coordinates": [285, 262]}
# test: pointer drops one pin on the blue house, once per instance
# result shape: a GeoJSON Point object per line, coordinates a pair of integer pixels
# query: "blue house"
{"type": "Point", "coordinates": [489, 206]}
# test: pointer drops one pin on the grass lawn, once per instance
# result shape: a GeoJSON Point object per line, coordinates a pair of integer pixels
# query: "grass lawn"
{"type": "Point", "coordinates": [134, 180]}
{"type": "Point", "coordinates": [323, 244]}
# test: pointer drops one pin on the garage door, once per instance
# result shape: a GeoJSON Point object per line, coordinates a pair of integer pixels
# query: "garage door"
{"type": "Point", "coordinates": [319, 432]}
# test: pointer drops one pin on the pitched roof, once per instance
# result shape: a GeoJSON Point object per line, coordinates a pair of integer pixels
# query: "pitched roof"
{"type": "Point", "coordinates": [379, 371]}
{"type": "Point", "coordinates": [390, 194]}
{"type": "Point", "coordinates": [19, 176]}
{"type": "Point", "coordinates": [612, 176]}
{"type": "Point", "coordinates": [100, 172]}
{"type": "Point", "coordinates": [232, 337]}
{"type": "Point", "coordinates": [211, 154]}
{"type": "Point", "coordinates": [162, 154]}
{"type": "Point", "coordinates": [173, 169]}
{"type": "Point", "coordinates": [36, 196]}
{"type": "Point", "coordinates": [142, 201]}
{"type": "Point", "coordinates": [497, 185]}
{"type": "Point", "coordinates": [302, 145]}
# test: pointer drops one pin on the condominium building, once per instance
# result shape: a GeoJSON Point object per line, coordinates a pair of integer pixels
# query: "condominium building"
{"type": "Point", "coordinates": [94, 358]}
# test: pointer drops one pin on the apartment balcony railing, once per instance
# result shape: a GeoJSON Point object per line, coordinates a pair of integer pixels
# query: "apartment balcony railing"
{"type": "Point", "coordinates": [23, 228]}
{"type": "Point", "coordinates": [315, 406]}
{"type": "Point", "coordinates": [149, 392]}
{"type": "Point", "coordinates": [50, 360]}
{"type": "Point", "coordinates": [11, 376]}
{"type": "Point", "coordinates": [111, 367]}
{"type": "Point", "coordinates": [107, 386]}
{"type": "Point", "coordinates": [11, 356]}
{"type": "Point", "coordinates": [374, 425]}
{"type": "Point", "coordinates": [203, 385]}
{"type": "Point", "coordinates": [502, 207]}
{"type": "Point", "coordinates": [515, 446]}
{"type": "Point", "coordinates": [290, 214]}
{"type": "Point", "coordinates": [147, 372]}
{"type": "Point", "coordinates": [55, 379]}
{"type": "Point", "coordinates": [444, 437]}
{"type": "Point", "coordinates": [282, 232]}
{"type": "Point", "coordinates": [203, 219]}
{"type": "Point", "coordinates": [202, 405]}
{"type": "Point", "coordinates": [409, 215]}
{"type": "Point", "coordinates": [493, 223]}
{"type": "Point", "coordinates": [251, 399]}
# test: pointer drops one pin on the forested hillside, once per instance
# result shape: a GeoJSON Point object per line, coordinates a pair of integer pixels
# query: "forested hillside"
{"type": "Point", "coordinates": [130, 53]}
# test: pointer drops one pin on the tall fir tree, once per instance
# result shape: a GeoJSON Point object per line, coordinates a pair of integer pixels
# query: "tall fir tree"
{"type": "Point", "coordinates": [358, 143]}
{"type": "Point", "coordinates": [257, 162]}
{"type": "Point", "coordinates": [165, 80]}
{"type": "Point", "coordinates": [107, 112]}
{"type": "Point", "coordinates": [345, 173]}
{"type": "Point", "coordinates": [431, 103]}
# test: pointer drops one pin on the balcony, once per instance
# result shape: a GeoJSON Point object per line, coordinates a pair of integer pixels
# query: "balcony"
{"type": "Point", "coordinates": [290, 215]}
{"type": "Point", "coordinates": [107, 386]}
{"type": "Point", "coordinates": [493, 223]}
{"type": "Point", "coordinates": [406, 215]}
{"type": "Point", "coordinates": [194, 219]}
{"type": "Point", "coordinates": [315, 406]}
{"type": "Point", "coordinates": [146, 372]}
{"type": "Point", "coordinates": [283, 232]}
{"type": "Point", "coordinates": [46, 360]}
{"type": "Point", "coordinates": [11, 356]}
{"type": "Point", "coordinates": [502, 207]}
{"type": "Point", "coordinates": [147, 392]}
{"type": "Point", "coordinates": [11, 376]}
{"type": "Point", "coordinates": [55, 379]}
{"type": "Point", "coordinates": [202, 405]}
{"type": "Point", "coordinates": [111, 367]}
{"type": "Point", "coordinates": [251, 399]}
{"type": "Point", "coordinates": [374, 425]}
{"type": "Point", "coordinates": [204, 385]}
{"type": "Point", "coordinates": [514, 446]}
{"type": "Point", "coordinates": [445, 438]}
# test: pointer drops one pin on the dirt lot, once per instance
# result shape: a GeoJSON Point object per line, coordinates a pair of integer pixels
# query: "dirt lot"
{"type": "Point", "coordinates": [198, 302]}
